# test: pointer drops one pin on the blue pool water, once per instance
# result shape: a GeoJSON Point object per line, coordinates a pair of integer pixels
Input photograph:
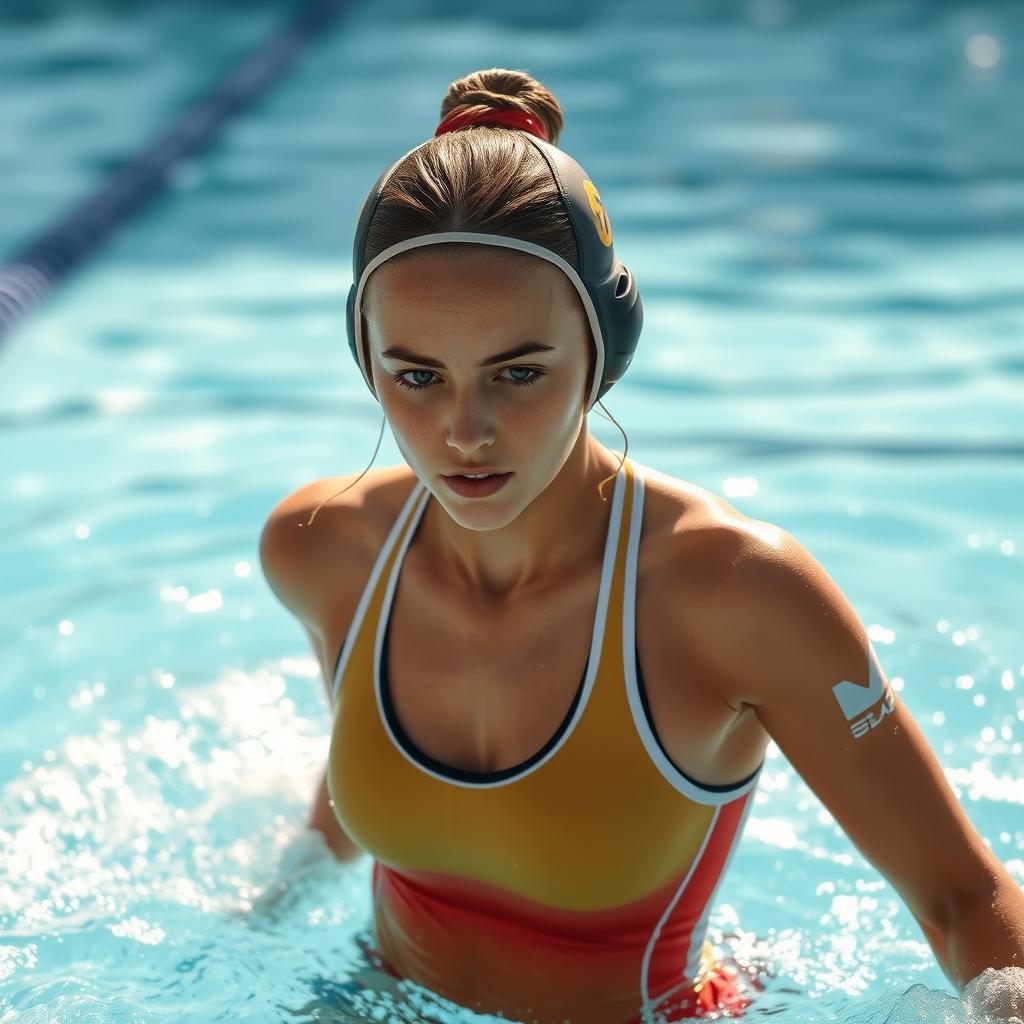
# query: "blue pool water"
{"type": "Point", "coordinates": [824, 208]}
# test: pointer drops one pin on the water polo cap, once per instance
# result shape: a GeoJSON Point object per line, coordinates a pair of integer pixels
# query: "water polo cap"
{"type": "Point", "coordinates": [605, 285]}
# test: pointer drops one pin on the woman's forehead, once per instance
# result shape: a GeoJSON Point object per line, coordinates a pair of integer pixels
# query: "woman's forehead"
{"type": "Point", "coordinates": [476, 273]}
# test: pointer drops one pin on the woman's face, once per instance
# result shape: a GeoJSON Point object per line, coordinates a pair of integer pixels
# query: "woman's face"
{"type": "Point", "coordinates": [436, 323]}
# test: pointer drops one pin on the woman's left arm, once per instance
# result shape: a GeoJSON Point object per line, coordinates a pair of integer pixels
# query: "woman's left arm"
{"type": "Point", "coordinates": [986, 930]}
{"type": "Point", "coordinates": [779, 635]}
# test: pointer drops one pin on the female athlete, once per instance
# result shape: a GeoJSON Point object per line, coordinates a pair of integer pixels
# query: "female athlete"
{"type": "Point", "coordinates": [551, 703]}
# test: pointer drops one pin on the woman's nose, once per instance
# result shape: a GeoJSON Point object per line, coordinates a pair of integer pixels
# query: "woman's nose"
{"type": "Point", "coordinates": [470, 423]}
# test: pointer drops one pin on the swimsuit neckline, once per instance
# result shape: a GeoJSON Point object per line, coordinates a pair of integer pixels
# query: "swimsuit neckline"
{"type": "Point", "coordinates": [598, 624]}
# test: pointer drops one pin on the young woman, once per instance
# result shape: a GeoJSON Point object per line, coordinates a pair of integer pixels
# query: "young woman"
{"type": "Point", "coordinates": [551, 704]}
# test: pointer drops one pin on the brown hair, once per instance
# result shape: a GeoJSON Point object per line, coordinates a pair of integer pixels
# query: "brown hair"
{"type": "Point", "coordinates": [484, 178]}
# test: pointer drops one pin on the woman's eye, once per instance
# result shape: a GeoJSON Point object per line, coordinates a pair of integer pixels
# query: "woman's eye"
{"type": "Point", "coordinates": [402, 382]}
{"type": "Point", "coordinates": [534, 376]}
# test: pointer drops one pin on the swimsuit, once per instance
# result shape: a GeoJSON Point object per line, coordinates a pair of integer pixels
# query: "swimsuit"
{"type": "Point", "coordinates": [575, 886]}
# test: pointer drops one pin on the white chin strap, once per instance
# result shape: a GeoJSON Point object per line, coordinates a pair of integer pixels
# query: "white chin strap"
{"type": "Point", "coordinates": [482, 239]}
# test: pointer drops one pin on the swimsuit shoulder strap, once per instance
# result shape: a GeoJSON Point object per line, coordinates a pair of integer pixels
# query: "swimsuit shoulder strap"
{"type": "Point", "coordinates": [378, 567]}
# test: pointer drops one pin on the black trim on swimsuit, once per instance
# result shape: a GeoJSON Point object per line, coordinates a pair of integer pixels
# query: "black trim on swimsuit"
{"type": "Point", "coordinates": [337, 661]}
{"type": "Point", "coordinates": [661, 746]}
{"type": "Point", "coordinates": [461, 774]}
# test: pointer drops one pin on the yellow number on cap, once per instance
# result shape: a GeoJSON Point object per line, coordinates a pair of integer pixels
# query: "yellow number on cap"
{"type": "Point", "coordinates": [601, 221]}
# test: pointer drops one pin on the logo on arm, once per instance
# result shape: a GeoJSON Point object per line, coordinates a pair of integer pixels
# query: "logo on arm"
{"type": "Point", "coordinates": [601, 221]}
{"type": "Point", "coordinates": [859, 702]}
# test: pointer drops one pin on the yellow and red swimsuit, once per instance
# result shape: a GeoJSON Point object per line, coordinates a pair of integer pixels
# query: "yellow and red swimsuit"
{"type": "Point", "coordinates": [574, 886]}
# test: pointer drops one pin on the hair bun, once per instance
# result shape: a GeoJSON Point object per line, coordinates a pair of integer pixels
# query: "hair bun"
{"type": "Point", "coordinates": [506, 90]}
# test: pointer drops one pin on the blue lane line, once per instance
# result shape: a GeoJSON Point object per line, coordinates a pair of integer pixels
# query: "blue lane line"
{"type": "Point", "coordinates": [34, 270]}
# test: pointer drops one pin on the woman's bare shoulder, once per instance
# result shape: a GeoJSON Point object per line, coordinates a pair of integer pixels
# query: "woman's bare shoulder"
{"type": "Point", "coordinates": [692, 517]}
{"type": "Point", "coordinates": [700, 541]}
{"type": "Point", "coordinates": [706, 552]}
{"type": "Point", "coordinates": [297, 554]}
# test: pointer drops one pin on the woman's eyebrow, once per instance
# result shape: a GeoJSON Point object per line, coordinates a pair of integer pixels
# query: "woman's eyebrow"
{"type": "Point", "coordinates": [398, 352]}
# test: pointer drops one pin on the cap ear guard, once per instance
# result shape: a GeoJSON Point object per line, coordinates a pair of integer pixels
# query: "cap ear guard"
{"type": "Point", "coordinates": [621, 314]}
{"type": "Point", "coordinates": [609, 282]}
{"type": "Point", "coordinates": [616, 317]}
{"type": "Point", "coordinates": [350, 324]}
{"type": "Point", "coordinates": [366, 212]}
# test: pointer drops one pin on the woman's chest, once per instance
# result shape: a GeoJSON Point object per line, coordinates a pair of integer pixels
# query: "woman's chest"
{"type": "Point", "coordinates": [484, 690]}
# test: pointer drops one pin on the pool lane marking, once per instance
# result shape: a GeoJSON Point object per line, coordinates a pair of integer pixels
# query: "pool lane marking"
{"type": "Point", "coordinates": [35, 269]}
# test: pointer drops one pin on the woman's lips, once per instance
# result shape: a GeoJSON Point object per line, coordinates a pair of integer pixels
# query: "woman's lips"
{"type": "Point", "coordinates": [466, 488]}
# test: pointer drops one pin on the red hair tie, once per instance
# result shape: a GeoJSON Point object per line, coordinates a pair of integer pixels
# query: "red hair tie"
{"type": "Point", "coordinates": [510, 118]}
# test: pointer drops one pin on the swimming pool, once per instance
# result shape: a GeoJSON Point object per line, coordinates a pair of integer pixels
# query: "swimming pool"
{"type": "Point", "coordinates": [823, 208]}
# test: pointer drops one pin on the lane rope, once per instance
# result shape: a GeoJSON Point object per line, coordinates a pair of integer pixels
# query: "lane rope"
{"type": "Point", "coordinates": [34, 270]}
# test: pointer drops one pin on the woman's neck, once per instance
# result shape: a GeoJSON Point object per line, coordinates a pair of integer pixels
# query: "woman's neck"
{"type": "Point", "coordinates": [561, 531]}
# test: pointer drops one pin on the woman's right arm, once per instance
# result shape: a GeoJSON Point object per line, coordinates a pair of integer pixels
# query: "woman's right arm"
{"type": "Point", "coordinates": [324, 820]}
{"type": "Point", "coordinates": [322, 817]}
{"type": "Point", "coordinates": [288, 566]}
